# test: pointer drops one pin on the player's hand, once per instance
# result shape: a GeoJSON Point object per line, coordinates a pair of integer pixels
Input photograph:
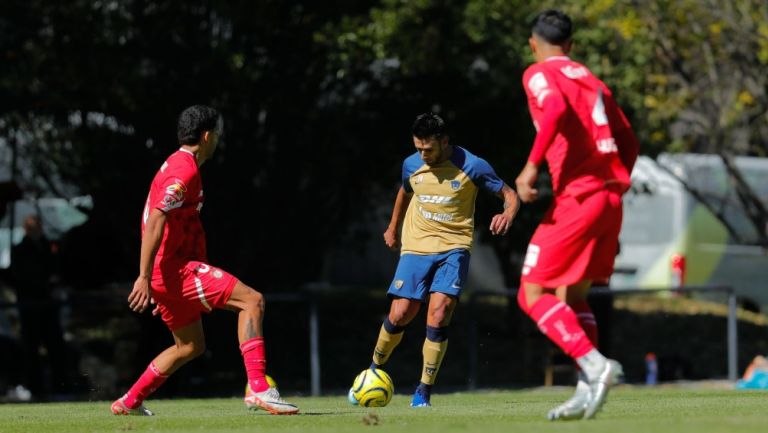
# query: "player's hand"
{"type": "Point", "coordinates": [140, 297]}
{"type": "Point", "coordinates": [525, 183]}
{"type": "Point", "coordinates": [500, 224]}
{"type": "Point", "coordinates": [391, 238]}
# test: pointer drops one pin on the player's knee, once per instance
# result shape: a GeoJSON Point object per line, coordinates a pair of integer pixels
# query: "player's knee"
{"type": "Point", "coordinates": [440, 315]}
{"type": "Point", "coordinates": [191, 350]}
{"type": "Point", "coordinates": [399, 317]}
{"type": "Point", "coordinates": [255, 301]}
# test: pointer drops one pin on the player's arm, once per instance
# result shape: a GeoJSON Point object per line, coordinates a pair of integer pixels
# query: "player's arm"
{"type": "Point", "coordinates": [500, 223]}
{"type": "Point", "coordinates": [391, 235]}
{"type": "Point", "coordinates": [553, 111]}
{"type": "Point", "coordinates": [626, 141]}
{"type": "Point", "coordinates": [140, 297]}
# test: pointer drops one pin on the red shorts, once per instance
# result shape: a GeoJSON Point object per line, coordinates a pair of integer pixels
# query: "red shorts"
{"type": "Point", "coordinates": [182, 293]}
{"type": "Point", "coordinates": [577, 240]}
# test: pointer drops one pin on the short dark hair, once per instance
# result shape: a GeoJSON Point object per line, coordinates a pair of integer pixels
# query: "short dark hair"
{"type": "Point", "coordinates": [553, 26]}
{"type": "Point", "coordinates": [195, 120]}
{"type": "Point", "coordinates": [428, 125]}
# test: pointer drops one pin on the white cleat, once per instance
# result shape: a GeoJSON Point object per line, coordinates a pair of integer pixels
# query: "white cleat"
{"type": "Point", "coordinates": [600, 385]}
{"type": "Point", "coordinates": [574, 407]}
{"type": "Point", "coordinates": [119, 408]}
{"type": "Point", "coordinates": [270, 401]}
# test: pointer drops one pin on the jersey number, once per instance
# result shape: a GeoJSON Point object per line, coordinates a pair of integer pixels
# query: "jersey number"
{"type": "Point", "coordinates": [604, 145]}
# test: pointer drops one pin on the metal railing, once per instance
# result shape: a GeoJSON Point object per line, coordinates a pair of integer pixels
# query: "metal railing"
{"type": "Point", "coordinates": [511, 295]}
{"type": "Point", "coordinates": [310, 298]}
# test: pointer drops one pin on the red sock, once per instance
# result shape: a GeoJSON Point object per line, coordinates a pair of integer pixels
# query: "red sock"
{"type": "Point", "coordinates": [149, 381]}
{"type": "Point", "coordinates": [255, 363]}
{"type": "Point", "coordinates": [586, 320]}
{"type": "Point", "coordinates": [558, 322]}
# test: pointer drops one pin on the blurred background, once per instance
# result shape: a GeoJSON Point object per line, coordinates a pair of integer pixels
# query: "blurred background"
{"type": "Point", "coordinates": [317, 100]}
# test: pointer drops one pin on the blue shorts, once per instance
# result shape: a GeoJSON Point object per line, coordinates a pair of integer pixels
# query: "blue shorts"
{"type": "Point", "coordinates": [419, 275]}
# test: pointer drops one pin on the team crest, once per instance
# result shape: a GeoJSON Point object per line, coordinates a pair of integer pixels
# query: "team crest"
{"type": "Point", "coordinates": [398, 284]}
{"type": "Point", "coordinates": [419, 179]}
{"type": "Point", "coordinates": [455, 184]}
{"type": "Point", "coordinates": [217, 273]}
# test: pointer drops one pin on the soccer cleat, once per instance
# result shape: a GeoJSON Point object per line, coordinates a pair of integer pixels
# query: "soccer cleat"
{"type": "Point", "coordinates": [574, 407]}
{"type": "Point", "coordinates": [270, 401]}
{"type": "Point", "coordinates": [119, 408]}
{"type": "Point", "coordinates": [421, 398]}
{"type": "Point", "coordinates": [600, 385]}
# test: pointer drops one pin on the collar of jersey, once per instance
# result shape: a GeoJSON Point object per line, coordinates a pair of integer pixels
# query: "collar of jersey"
{"type": "Point", "coordinates": [557, 58]}
{"type": "Point", "coordinates": [181, 149]}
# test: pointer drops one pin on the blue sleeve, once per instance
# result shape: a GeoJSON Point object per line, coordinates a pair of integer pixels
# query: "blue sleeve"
{"type": "Point", "coordinates": [410, 165]}
{"type": "Point", "coordinates": [483, 175]}
{"type": "Point", "coordinates": [406, 177]}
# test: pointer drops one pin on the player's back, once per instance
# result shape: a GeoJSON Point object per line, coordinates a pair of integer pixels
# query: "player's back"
{"type": "Point", "coordinates": [584, 155]}
{"type": "Point", "coordinates": [176, 190]}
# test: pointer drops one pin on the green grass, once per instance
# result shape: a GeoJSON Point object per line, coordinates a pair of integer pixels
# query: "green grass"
{"type": "Point", "coordinates": [629, 409]}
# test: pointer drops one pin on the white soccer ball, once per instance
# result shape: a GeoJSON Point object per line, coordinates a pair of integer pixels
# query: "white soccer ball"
{"type": "Point", "coordinates": [372, 388]}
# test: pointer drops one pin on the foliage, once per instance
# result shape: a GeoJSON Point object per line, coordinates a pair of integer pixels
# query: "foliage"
{"type": "Point", "coordinates": [318, 99]}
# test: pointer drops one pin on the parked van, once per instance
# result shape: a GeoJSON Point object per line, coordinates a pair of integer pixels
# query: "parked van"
{"type": "Point", "coordinates": [57, 215]}
{"type": "Point", "coordinates": [670, 237]}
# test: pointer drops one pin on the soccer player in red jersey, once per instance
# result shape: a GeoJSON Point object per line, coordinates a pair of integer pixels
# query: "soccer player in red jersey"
{"type": "Point", "coordinates": [590, 149]}
{"type": "Point", "coordinates": [174, 273]}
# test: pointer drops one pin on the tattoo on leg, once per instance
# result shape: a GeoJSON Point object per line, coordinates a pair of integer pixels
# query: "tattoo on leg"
{"type": "Point", "coordinates": [250, 330]}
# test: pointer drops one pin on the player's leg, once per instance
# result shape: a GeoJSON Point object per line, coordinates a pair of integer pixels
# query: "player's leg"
{"type": "Point", "coordinates": [249, 306]}
{"type": "Point", "coordinates": [449, 276]}
{"type": "Point", "coordinates": [601, 373]}
{"type": "Point", "coordinates": [575, 296]}
{"type": "Point", "coordinates": [401, 313]}
{"type": "Point", "coordinates": [189, 342]}
{"type": "Point", "coordinates": [408, 290]}
{"type": "Point", "coordinates": [440, 312]}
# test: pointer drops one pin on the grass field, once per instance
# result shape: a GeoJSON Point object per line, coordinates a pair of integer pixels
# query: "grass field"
{"type": "Point", "coordinates": [628, 410]}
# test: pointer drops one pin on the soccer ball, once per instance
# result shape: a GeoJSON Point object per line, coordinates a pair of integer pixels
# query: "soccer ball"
{"type": "Point", "coordinates": [372, 388]}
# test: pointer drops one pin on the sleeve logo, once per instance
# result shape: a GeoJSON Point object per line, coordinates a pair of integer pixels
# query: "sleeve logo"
{"type": "Point", "coordinates": [539, 87]}
{"type": "Point", "coordinates": [174, 195]}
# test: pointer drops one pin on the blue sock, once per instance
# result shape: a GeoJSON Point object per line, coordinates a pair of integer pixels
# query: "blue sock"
{"type": "Point", "coordinates": [424, 389]}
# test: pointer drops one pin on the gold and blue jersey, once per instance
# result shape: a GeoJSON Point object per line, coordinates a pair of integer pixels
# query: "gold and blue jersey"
{"type": "Point", "coordinates": [440, 216]}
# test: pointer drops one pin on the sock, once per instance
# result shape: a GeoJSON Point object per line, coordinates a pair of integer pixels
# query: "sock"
{"type": "Point", "coordinates": [389, 337]}
{"type": "Point", "coordinates": [435, 346]}
{"type": "Point", "coordinates": [586, 320]}
{"type": "Point", "coordinates": [255, 363]}
{"type": "Point", "coordinates": [592, 363]}
{"type": "Point", "coordinates": [149, 381]}
{"type": "Point", "coordinates": [558, 322]}
{"type": "Point", "coordinates": [424, 389]}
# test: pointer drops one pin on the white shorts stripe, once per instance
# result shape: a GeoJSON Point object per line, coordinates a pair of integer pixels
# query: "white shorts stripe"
{"type": "Point", "coordinates": [201, 293]}
{"type": "Point", "coordinates": [551, 311]}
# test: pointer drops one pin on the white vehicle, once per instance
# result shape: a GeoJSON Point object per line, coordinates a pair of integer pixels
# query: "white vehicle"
{"type": "Point", "coordinates": [672, 234]}
{"type": "Point", "coordinates": [57, 215]}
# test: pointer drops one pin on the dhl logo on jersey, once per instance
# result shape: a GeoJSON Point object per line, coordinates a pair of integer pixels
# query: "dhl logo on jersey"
{"type": "Point", "coordinates": [437, 199]}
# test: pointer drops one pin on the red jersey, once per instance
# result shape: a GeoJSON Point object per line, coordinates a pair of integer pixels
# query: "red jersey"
{"type": "Point", "coordinates": [583, 134]}
{"type": "Point", "coordinates": [177, 190]}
